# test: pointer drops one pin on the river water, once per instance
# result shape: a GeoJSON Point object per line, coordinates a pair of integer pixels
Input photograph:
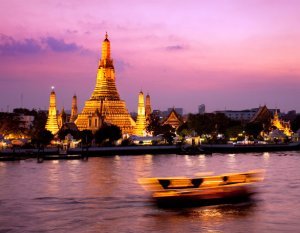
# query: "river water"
{"type": "Point", "coordinates": [103, 195]}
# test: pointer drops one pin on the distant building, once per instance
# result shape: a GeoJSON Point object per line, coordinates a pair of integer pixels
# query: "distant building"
{"type": "Point", "coordinates": [201, 109]}
{"type": "Point", "coordinates": [242, 115]}
{"type": "Point", "coordinates": [26, 121]}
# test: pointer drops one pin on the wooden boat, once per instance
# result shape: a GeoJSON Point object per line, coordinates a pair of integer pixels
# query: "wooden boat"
{"type": "Point", "coordinates": [202, 190]}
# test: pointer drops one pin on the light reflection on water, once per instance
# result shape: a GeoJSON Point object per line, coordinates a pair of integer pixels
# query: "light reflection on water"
{"type": "Point", "coordinates": [102, 195]}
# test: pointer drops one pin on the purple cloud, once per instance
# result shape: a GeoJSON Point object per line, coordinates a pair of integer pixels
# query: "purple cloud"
{"type": "Point", "coordinates": [59, 45]}
{"type": "Point", "coordinates": [10, 46]}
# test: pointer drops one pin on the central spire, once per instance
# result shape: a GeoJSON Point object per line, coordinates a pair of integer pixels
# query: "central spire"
{"type": "Point", "coordinates": [105, 103]}
{"type": "Point", "coordinates": [105, 58]}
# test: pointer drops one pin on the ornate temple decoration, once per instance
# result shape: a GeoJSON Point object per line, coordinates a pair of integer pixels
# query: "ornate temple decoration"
{"type": "Point", "coordinates": [52, 124]}
{"type": "Point", "coordinates": [105, 103]}
{"type": "Point", "coordinates": [283, 126]}
{"type": "Point", "coordinates": [140, 128]}
{"type": "Point", "coordinates": [173, 119]}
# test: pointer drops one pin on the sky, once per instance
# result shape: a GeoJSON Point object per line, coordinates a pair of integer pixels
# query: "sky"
{"type": "Point", "coordinates": [226, 54]}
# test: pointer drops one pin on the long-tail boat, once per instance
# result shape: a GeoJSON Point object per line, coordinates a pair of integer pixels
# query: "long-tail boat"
{"type": "Point", "coordinates": [203, 189]}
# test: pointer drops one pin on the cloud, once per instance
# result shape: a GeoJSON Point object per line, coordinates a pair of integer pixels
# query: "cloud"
{"type": "Point", "coordinates": [121, 65]}
{"type": "Point", "coordinates": [175, 47]}
{"type": "Point", "coordinates": [9, 46]}
{"type": "Point", "coordinates": [59, 45]}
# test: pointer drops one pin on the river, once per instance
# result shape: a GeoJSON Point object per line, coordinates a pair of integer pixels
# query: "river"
{"type": "Point", "coordinates": [102, 195]}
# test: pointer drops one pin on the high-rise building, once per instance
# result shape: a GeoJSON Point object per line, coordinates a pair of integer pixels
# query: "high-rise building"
{"type": "Point", "coordinates": [148, 109]}
{"type": "Point", "coordinates": [201, 109]}
{"type": "Point", "coordinates": [74, 111]}
{"type": "Point", "coordinates": [105, 103]}
{"type": "Point", "coordinates": [140, 128]}
{"type": "Point", "coordinates": [52, 124]}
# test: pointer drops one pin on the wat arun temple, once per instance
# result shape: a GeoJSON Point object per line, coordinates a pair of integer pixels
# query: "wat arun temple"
{"type": "Point", "coordinates": [105, 104]}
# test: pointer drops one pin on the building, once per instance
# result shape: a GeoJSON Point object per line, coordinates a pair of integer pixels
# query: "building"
{"type": "Point", "coordinates": [242, 115]}
{"type": "Point", "coordinates": [105, 103]}
{"type": "Point", "coordinates": [140, 127]}
{"type": "Point", "coordinates": [61, 118]}
{"type": "Point", "coordinates": [263, 114]}
{"type": "Point", "coordinates": [52, 123]}
{"type": "Point", "coordinates": [173, 119]}
{"type": "Point", "coordinates": [74, 111]}
{"type": "Point", "coordinates": [148, 109]}
{"type": "Point", "coordinates": [201, 109]}
{"type": "Point", "coordinates": [178, 111]}
{"type": "Point", "coordinates": [283, 126]}
{"type": "Point", "coordinates": [26, 121]}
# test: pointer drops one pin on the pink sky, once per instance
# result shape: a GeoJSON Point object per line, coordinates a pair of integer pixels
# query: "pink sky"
{"type": "Point", "coordinates": [229, 54]}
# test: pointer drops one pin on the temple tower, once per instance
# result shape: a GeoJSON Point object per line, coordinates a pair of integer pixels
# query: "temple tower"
{"type": "Point", "coordinates": [52, 124]}
{"type": "Point", "coordinates": [140, 127]}
{"type": "Point", "coordinates": [148, 107]}
{"type": "Point", "coordinates": [74, 111]}
{"type": "Point", "coordinates": [62, 118]}
{"type": "Point", "coordinates": [105, 101]}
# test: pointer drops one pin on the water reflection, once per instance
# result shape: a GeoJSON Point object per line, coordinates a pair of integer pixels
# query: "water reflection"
{"type": "Point", "coordinates": [202, 160]}
{"type": "Point", "coordinates": [102, 195]}
{"type": "Point", "coordinates": [231, 162]}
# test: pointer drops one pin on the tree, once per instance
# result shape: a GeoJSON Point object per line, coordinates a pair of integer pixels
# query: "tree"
{"type": "Point", "coordinates": [42, 138]}
{"type": "Point", "coordinates": [295, 124]}
{"type": "Point", "coordinates": [108, 133]}
{"type": "Point", "coordinates": [86, 137]}
{"type": "Point", "coordinates": [154, 125]}
{"type": "Point", "coordinates": [62, 133]}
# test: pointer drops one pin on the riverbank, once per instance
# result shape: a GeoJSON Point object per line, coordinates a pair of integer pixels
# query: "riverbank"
{"type": "Point", "coordinates": [85, 152]}
{"type": "Point", "coordinates": [79, 153]}
{"type": "Point", "coordinates": [246, 148]}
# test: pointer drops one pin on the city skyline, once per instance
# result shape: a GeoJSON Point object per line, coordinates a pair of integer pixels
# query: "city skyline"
{"type": "Point", "coordinates": [225, 54]}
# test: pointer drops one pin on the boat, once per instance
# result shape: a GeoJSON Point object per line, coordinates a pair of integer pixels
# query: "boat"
{"type": "Point", "coordinates": [202, 189]}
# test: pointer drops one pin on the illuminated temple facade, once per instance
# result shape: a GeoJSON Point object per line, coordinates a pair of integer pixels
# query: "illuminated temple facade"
{"type": "Point", "coordinates": [283, 126]}
{"type": "Point", "coordinates": [105, 104]}
{"type": "Point", "coordinates": [52, 123]}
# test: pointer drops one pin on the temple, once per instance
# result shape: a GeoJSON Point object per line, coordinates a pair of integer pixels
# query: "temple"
{"type": "Point", "coordinates": [173, 119]}
{"type": "Point", "coordinates": [62, 118]}
{"type": "Point", "coordinates": [52, 123]}
{"type": "Point", "coordinates": [105, 104]}
{"type": "Point", "coordinates": [140, 128]}
{"type": "Point", "coordinates": [148, 109]}
{"type": "Point", "coordinates": [281, 125]}
{"type": "Point", "coordinates": [74, 111]}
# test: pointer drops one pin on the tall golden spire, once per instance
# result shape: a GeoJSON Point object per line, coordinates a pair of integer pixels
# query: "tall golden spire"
{"type": "Point", "coordinates": [148, 107]}
{"type": "Point", "coordinates": [105, 99]}
{"type": "Point", "coordinates": [52, 123]}
{"type": "Point", "coordinates": [74, 111]}
{"type": "Point", "coordinates": [140, 128]}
